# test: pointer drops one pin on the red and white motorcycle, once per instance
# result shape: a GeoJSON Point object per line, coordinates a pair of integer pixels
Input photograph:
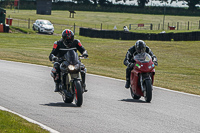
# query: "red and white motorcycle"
{"type": "Point", "coordinates": [142, 77]}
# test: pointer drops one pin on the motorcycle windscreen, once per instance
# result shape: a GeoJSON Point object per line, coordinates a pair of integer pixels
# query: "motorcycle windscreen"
{"type": "Point", "coordinates": [71, 57]}
{"type": "Point", "coordinates": [143, 57]}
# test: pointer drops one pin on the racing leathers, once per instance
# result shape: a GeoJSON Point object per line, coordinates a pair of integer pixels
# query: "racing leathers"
{"type": "Point", "coordinates": [58, 51]}
{"type": "Point", "coordinates": [129, 62]}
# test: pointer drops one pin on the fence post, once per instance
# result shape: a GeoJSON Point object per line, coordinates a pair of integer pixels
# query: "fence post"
{"type": "Point", "coordinates": [188, 25]}
{"type": "Point", "coordinates": [28, 23]}
{"type": "Point", "coordinates": [74, 28]}
{"type": "Point", "coordinates": [101, 26]}
{"type": "Point", "coordinates": [130, 25]}
{"type": "Point", "coordinates": [199, 24]}
{"type": "Point", "coordinates": [177, 25]}
{"type": "Point", "coordinates": [151, 26]}
{"type": "Point", "coordinates": [168, 26]}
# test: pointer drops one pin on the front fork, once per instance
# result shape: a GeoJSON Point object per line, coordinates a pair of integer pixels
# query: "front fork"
{"type": "Point", "coordinates": [71, 79]}
{"type": "Point", "coordinates": [144, 77]}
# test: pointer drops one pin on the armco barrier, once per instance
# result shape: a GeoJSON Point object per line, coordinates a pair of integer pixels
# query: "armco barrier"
{"type": "Point", "coordinates": [123, 35]}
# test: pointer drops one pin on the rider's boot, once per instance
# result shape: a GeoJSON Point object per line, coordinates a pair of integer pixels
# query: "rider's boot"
{"type": "Point", "coordinates": [56, 87]}
{"type": "Point", "coordinates": [84, 87]}
{"type": "Point", "coordinates": [128, 73]}
{"type": "Point", "coordinates": [127, 85]}
{"type": "Point", "coordinates": [83, 81]}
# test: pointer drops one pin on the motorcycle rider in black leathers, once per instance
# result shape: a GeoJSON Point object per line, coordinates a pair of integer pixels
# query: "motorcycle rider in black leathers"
{"type": "Point", "coordinates": [139, 47]}
{"type": "Point", "coordinates": [66, 42]}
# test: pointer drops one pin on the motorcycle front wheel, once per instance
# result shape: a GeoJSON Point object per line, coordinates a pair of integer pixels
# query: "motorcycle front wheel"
{"type": "Point", "coordinates": [148, 90]}
{"type": "Point", "coordinates": [78, 93]}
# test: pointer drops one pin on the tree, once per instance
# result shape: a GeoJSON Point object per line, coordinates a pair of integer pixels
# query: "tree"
{"type": "Point", "coordinates": [141, 3]}
{"type": "Point", "coordinates": [104, 2]}
{"type": "Point", "coordinates": [192, 4]}
{"type": "Point", "coordinates": [83, 1]}
{"type": "Point", "coordinates": [95, 2]}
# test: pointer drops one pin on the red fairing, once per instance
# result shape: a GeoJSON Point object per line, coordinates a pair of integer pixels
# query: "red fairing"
{"type": "Point", "coordinates": [55, 46]}
{"type": "Point", "coordinates": [144, 67]}
{"type": "Point", "coordinates": [134, 82]}
{"type": "Point", "coordinates": [139, 68]}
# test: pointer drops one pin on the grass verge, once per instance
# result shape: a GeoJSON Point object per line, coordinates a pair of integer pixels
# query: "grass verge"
{"type": "Point", "coordinates": [22, 30]}
{"type": "Point", "coordinates": [11, 123]}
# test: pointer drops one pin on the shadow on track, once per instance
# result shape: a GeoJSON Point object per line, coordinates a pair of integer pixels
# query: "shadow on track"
{"type": "Point", "coordinates": [60, 104]}
{"type": "Point", "coordinates": [133, 100]}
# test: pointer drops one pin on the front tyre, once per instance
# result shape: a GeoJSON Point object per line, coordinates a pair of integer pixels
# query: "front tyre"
{"type": "Point", "coordinates": [148, 90]}
{"type": "Point", "coordinates": [78, 93]}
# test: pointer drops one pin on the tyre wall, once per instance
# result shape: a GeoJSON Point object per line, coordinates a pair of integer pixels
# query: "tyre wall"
{"type": "Point", "coordinates": [122, 35]}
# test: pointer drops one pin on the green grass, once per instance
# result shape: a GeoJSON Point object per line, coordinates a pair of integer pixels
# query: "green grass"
{"type": "Point", "coordinates": [11, 123]}
{"type": "Point", "coordinates": [23, 30]}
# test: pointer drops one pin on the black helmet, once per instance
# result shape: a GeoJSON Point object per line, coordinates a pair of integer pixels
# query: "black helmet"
{"type": "Point", "coordinates": [140, 46]}
{"type": "Point", "coordinates": [67, 36]}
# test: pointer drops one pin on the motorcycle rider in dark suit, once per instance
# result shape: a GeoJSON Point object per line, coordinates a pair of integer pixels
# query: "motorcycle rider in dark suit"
{"type": "Point", "coordinates": [66, 42]}
{"type": "Point", "coordinates": [139, 47]}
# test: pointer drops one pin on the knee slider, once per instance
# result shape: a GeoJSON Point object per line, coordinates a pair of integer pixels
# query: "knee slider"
{"type": "Point", "coordinates": [56, 65]}
{"type": "Point", "coordinates": [53, 72]}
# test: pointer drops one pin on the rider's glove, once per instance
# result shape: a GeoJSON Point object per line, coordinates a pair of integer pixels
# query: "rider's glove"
{"type": "Point", "coordinates": [130, 65]}
{"type": "Point", "coordinates": [155, 61]}
{"type": "Point", "coordinates": [85, 54]}
{"type": "Point", "coordinates": [54, 58]}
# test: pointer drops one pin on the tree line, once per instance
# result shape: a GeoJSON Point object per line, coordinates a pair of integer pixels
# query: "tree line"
{"type": "Point", "coordinates": [141, 3]}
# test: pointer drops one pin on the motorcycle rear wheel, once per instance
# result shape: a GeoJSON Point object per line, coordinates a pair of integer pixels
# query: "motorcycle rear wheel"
{"type": "Point", "coordinates": [78, 93]}
{"type": "Point", "coordinates": [148, 90]}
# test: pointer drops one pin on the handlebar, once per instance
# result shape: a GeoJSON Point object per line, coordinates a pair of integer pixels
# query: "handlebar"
{"type": "Point", "coordinates": [62, 59]}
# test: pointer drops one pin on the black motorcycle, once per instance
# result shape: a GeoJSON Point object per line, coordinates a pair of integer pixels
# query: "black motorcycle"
{"type": "Point", "coordinates": [71, 86]}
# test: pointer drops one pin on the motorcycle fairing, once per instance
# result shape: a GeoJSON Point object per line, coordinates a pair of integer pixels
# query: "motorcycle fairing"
{"type": "Point", "coordinates": [135, 82]}
{"type": "Point", "coordinates": [144, 67]}
{"type": "Point", "coordinates": [72, 57]}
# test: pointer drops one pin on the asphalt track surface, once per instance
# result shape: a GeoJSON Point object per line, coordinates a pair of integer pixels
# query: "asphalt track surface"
{"type": "Point", "coordinates": [107, 107]}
